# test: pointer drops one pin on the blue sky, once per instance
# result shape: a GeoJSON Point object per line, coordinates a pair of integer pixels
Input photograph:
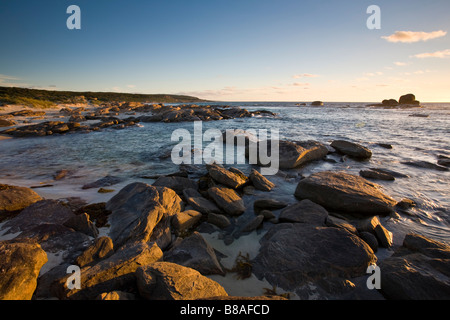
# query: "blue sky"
{"type": "Point", "coordinates": [230, 50]}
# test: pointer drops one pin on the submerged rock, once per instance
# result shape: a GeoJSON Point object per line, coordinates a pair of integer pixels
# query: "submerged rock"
{"type": "Point", "coordinates": [103, 182]}
{"type": "Point", "coordinates": [344, 192]}
{"type": "Point", "coordinates": [377, 175]}
{"type": "Point", "coordinates": [426, 165]}
{"type": "Point", "coordinates": [352, 149]}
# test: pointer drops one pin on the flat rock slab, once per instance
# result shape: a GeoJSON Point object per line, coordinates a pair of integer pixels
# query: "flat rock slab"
{"type": "Point", "coordinates": [293, 254]}
{"type": "Point", "coordinates": [305, 211]}
{"type": "Point", "coordinates": [352, 149]}
{"type": "Point", "coordinates": [346, 193]}
{"type": "Point", "coordinates": [228, 200]}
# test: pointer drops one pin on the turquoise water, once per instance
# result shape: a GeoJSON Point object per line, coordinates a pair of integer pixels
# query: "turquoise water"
{"type": "Point", "coordinates": [137, 151]}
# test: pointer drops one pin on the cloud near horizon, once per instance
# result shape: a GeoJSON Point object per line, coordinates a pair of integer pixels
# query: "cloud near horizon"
{"type": "Point", "coordinates": [412, 36]}
{"type": "Point", "coordinates": [438, 54]}
{"type": "Point", "coordinates": [305, 75]}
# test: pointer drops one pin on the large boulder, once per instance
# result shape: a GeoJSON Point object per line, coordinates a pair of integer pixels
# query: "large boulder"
{"type": "Point", "coordinates": [14, 199]}
{"type": "Point", "coordinates": [409, 99]}
{"type": "Point", "coordinates": [114, 273]}
{"type": "Point", "coordinates": [194, 252]}
{"type": "Point", "coordinates": [177, 184]}
{"type": "Point", "coordinates": [346, 193]}
{"type": "Point", "coordinates": [419, 270]}
{"type": "Point", "coordinates": [292, 255]}
{"type": "Point", "coordinates": [228, 200]}
{"type": "Point", "coordinates": [352, 149]}
{"type": "Point", "coordinates": [20, 263]}
{"type": "Point", "coordinates": [260, 182]}
{"type": "Point", "coordinates": [170, 281]}
{"type": "Point", "coordinates": [140, 211]}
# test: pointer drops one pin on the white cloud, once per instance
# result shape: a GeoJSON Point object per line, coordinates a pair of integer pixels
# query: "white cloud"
{"type": "Point", "coordinates": [400, 64]}
{"type": "Point", "coordinates": [305, 75]}
{"type": "Point", "coordinates": [131, 86]}
{"type": "Point", "coordinates": [300, 84]}
{"type": "Point", "coordinates": [412, 36]}
{"type": "Point", "coordinates": [437, 54]}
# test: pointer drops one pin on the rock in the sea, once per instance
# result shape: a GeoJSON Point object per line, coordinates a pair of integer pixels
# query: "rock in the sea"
{"type": "Point", "coordinates": [253, 224]}
{"type": "Point", "coordinates": [14, 199]}
{"type": "Point", "coordinates": [425, 165]}
{"type": "Point", "coordinates": [20, 263]}
{"type": "Point", "coordinates": [114, 273]}
{"type": "Point", "coordinates": [344, 192]}
{"type": "Point", "coordinates": [7, 123]}
{"type": "Point", "coordinates": [202, 205]}
{"type": "Point", "coordinates": [444, 161]}
{"type": "Point", "coordinates": [194, 252]}
{"type": "Point", "coordinates": [139, 210]}
{"type": "Point", "coordinates": [260, 182]}
{"type": "Point", "coordinates": [352, 149]}
{"type": "Point", "coordinates": [228, 200]}
{"type": "Point", "coordinates": [226, 177]}
{"type": "Point", "coordinates": [408, 99]}
{"type": "Point", "coordinates": [103, 182]}
{"type": "Point", "coordinates": [292, 255]}
{"type": "Point", "coordinates": [317, 103]}
{"type": "Point", "coordinates": [374, 226]}
{"type": "Point", "coordinates": [169, 281]}
{"type": "Point", "coordinates": [293, 154]}
{"type": "Point", "coordinates": [305, 211]}
{"type": "Point", "coordinates": [419, 270]}
{"type": "Point", "coordinates": [376, 175]}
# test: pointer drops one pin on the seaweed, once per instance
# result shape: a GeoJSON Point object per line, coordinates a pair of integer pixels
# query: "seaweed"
{"type": "Point", "coordinates": [242, 266]}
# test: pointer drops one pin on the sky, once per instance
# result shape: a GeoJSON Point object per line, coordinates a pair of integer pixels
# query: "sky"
{"type": "Point", "coordinates": [235, 50]}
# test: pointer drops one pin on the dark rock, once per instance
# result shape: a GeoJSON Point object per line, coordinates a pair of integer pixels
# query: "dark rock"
{"type": "Point", "coordinates": [226, 177]}
{"type": "Point", "coordinates": [14, 199]}
{"type": "Point", "coordinates": [169, 281]}
{"type": "Point", "coordinates": [426, 246]}
{"type": "Point", "coordinates": [177, 184]}
{"type": "Point", "coordinates": [426, 165]}
{"type": "Point", "coordinates": [97, 213]}
{"type": "Point", "coordinates": [344, 192]}
{"type": "Point", "coordinates": [194, 252]}
{"type": "Point", "coordinates": [103, 182]}
{"type": "Point", "coordinates": [408, 99]}
{"type": "Point", "coordinates": [395, 174]}
{"type": "Point", "coordinates": [20, 263]}
{"type": "Point", "coordinates": [305, 211]}
{"type": "Point", "coordinates": [82, 224]}
{"type": "Point", "coordinates": [268, 204]}
{"type": "Point", "coordinates": [260, 182]}
{"type": "Point", "coordinates": [253, 224]}
{"type": "Point", "coordinates": [352, 149]}
{"type": "Point", "coordinates": [41, 212]}
{"type": "Point", "coordinates": [139, 210]}
{"type": "Point", "coordinates": [116, 296]}
{"type": "Point", "coordinates": [28, 113]}
{"type": "Point", "coordinates": [405, 204]}
{"type": "Point", "coordinates": [376, 175]}
{"type": "Point", "coordinates": [373, 226]}
{"type": "Point", "coordinates": [385, 145]}
{"type": "Point", "coordinates": [218, 220]}
{"type": "Point", "coordinates": [7, 123]}
{"type": "Point", "coordinates": [228, 200]}
{"type": "Point", "coordinates": [335, 222]}
{"type": "Point", "coordinates": [444, 161]}
{"type": "Point", "coordinates": [292, 255]}
{"type": "Point", "coordinates": [370, 239]}
{"type": "Point", "coordinates": [317, 103]}
{"type": "Point", "coordinates": [202, 205]}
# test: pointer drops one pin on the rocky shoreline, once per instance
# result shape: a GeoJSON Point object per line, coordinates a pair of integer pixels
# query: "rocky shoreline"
{"type": "Point", "coordinates": [148, 241]}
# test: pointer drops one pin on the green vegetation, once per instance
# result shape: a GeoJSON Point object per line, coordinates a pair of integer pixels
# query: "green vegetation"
{"type": "Point", "coordinates": [47, 99]}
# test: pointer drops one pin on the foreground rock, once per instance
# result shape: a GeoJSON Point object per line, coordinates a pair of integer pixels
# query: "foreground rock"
{"type": "Point", "coordinates": [346, 193]}
{"type": "Point", "coordinates": [20, 263]}
{"type": "Point", "coordinates": [425, 165]}
{"type": "Point", "coordinates": [305, 211]}
{"type": "Point", "coordinates": [169, 281]}
{"type": "Point", "coordinates": [419, 270]}
{"type": "Point", "coordinates": [260, 182]}
{"type": "Point", "coordinates": [292, 255]}
{"type": "Point", "coordinates": [114, 273]}
{"type": "Point", "coordinates": [14, 199]}
{"type": "Point", "coordinates": [352, 149]}
{"type": "Point", "coordinates": [141, 212]}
